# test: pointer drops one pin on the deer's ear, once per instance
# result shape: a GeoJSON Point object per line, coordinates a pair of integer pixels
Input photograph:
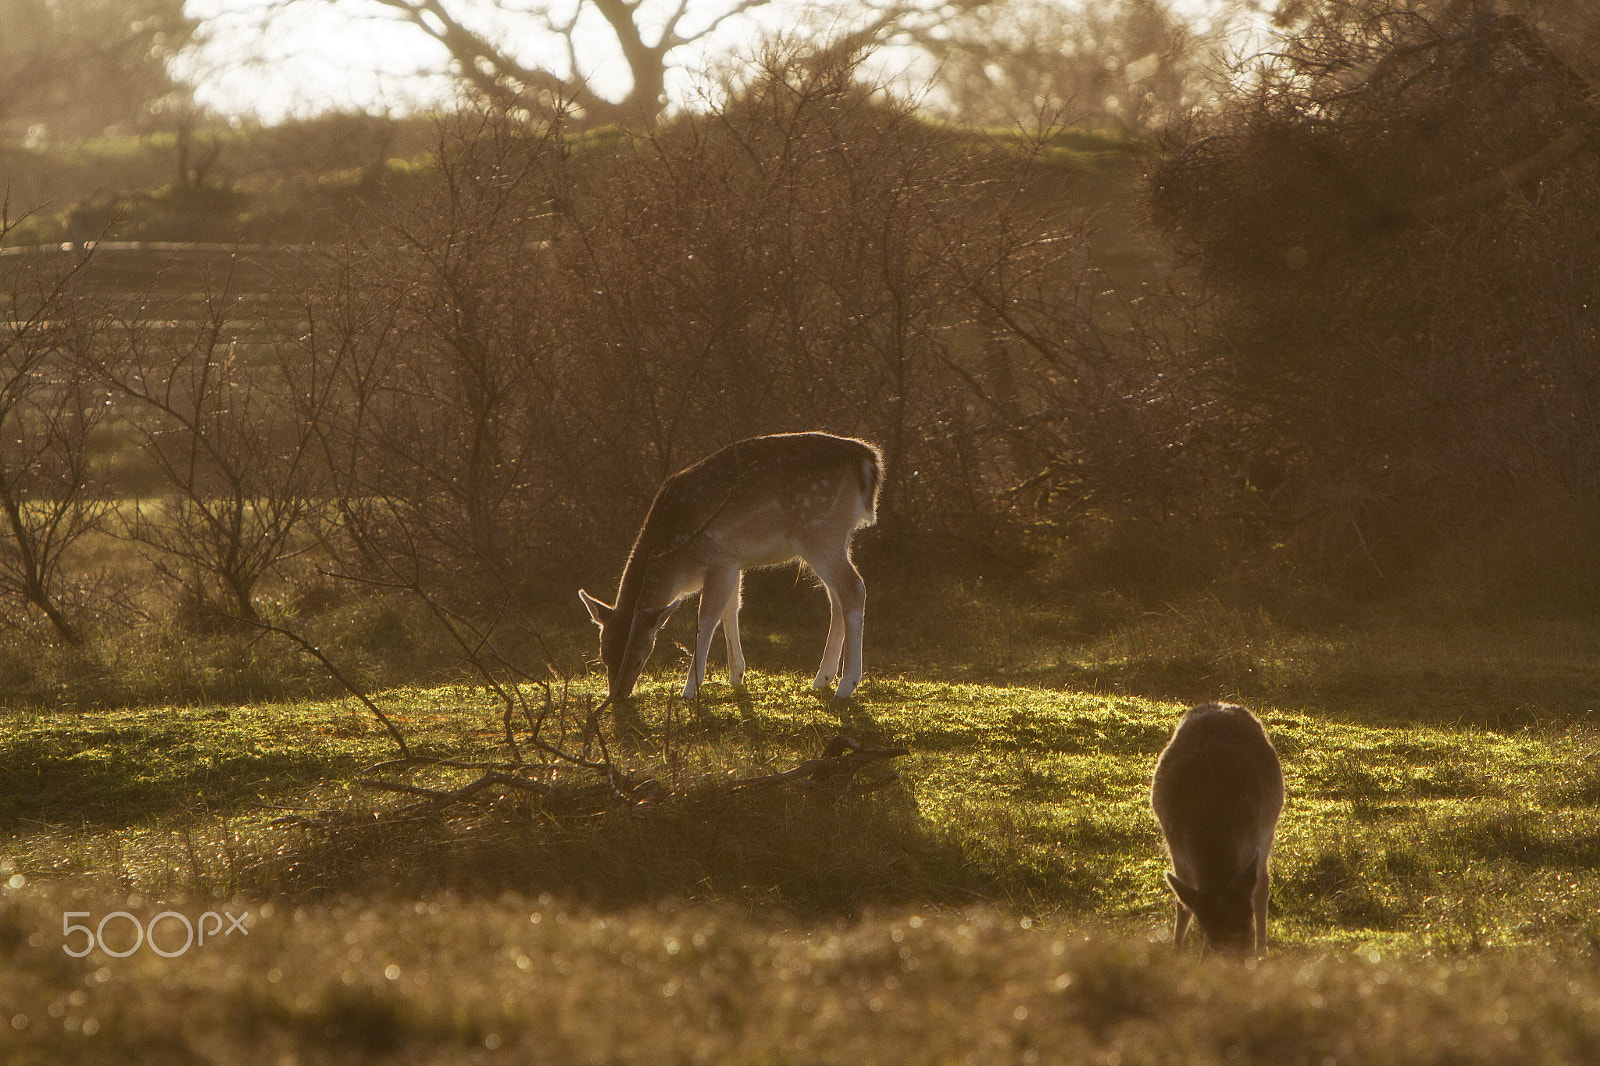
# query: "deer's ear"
{"type": "Point", "coordinates": [1187, 894]}
{"type": "Point", "coordinates": [600, 612]}
{"type": "Point", "coordinates": [653, 620]}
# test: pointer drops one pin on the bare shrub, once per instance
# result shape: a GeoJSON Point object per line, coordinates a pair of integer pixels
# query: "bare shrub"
{"type": "Point", "coordinates": [1116, 440]}
{"type": "Point", "coordinates": [230, 429]}
{"type": "Point", "coordinates": [557, 324]}
{"type": "Point", "coordinates": [1399, 219]}
{"type": "Point", "coordinates": [440, 330]}
{"type": "Point", "coordinates": [798, 259]}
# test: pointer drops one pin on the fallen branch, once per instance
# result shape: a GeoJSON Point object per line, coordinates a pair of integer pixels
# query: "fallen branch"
{"type": "Point", "coordinates": [339, 676]}
{"type": "Point", "coordinates": [839, 760]}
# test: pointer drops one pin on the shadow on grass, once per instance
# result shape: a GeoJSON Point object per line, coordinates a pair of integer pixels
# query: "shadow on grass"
{"type": "Point", "coordinates": [808, 850]}
{"type": "Point", "coordinates": [118, 776]}
{"type": "Point", "coordinates": [1486, 697]}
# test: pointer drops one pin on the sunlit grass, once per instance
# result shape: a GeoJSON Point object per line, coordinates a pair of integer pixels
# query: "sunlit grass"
{"type": "Point", "coordinates": [1437, 871]}
{"type": "Point", "coordinates": [1382, 665]}
{"type": "Point", "coordinates": [1425, 835]}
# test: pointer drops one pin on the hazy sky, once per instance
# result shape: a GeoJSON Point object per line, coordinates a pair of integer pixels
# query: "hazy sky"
{"type": "Point", "coordinates": [318, 56]}
{"type": "Point", "coordinates": [312, 57]}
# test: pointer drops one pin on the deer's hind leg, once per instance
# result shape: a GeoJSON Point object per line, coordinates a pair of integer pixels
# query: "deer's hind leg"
{"type": "Point", "coordinates": [847, 604]}
{"type": "Point", "coordinates": [730, 635]}
{"type": "Point", "coordinates": [833, 646]}
{"type": "Point", "coordinates": [1258, 902]}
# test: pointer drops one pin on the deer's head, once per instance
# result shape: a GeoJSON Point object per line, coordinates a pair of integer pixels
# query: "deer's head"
{"type": "Point", "coordinates": [626, 640]}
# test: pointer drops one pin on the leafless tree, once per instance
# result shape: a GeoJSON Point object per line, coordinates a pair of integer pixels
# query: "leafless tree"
{"type": "Point", "coordinates": [799, 259]}
{"type": "Point", "coordinates": [439, 328]}
{"type": "Point", "coordinates": [48, 414]}
{"type": "Point", "coordinates": [557, 58]}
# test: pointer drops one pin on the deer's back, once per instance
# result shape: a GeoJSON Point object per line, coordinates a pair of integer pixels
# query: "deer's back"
{"type": "Point", "coordinates": [1217, 790]}
{"type": "Point", "coordinates": [753, 503]}
{"type": "Point", "coordinates": [755, 486]}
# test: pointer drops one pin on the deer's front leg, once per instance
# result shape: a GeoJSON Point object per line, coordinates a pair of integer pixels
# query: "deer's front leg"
{"type": "Point", "coordinates": [719, 588]}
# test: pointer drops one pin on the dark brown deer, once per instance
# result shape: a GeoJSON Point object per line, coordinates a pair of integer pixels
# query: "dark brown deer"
{"type": "Point", "coordinates": [1217, 792]}
{"type": "Point", "coordinates": [764, 501]}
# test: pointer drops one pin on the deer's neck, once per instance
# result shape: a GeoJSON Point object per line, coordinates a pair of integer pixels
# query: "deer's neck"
{"type": "Point", "coordinates": [637, 590]}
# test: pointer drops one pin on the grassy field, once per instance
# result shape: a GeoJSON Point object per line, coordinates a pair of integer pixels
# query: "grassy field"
{"type": "Point", "coordinates": [995, 896]}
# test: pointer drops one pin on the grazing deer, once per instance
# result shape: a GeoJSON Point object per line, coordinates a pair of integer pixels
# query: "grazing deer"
{"type": "Point", "coordinates": [1217, 792]}
{"type": "Point", "coordinates": [761, 502]}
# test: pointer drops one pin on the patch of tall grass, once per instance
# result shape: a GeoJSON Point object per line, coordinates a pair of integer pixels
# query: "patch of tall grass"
{"type": "Point", "coordinates": [529, 978]}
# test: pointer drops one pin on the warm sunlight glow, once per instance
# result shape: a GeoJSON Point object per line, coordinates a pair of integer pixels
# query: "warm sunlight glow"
{"type": "Point", "coordinates": [312, 56]}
